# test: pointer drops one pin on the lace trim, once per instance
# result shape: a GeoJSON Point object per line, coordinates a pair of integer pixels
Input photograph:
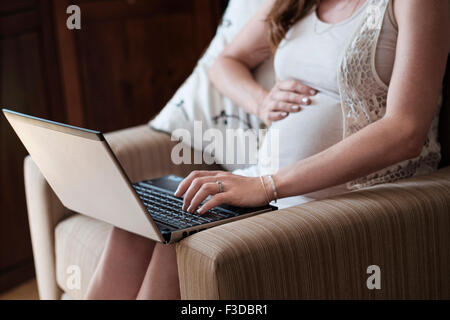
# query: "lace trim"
{"type": "Point", "coordinates": [364, 101]}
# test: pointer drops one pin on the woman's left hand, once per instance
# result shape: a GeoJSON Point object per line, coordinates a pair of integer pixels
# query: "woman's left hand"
{"type": "Point", "coordinates": [237, 190]}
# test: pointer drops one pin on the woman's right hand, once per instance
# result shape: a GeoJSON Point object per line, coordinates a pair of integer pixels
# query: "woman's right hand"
{"type": "Point", "coordinates": [285, 97]}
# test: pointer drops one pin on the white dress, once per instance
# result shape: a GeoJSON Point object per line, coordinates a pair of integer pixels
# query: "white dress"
{"type": "Point", "coordinates": [311, 53]}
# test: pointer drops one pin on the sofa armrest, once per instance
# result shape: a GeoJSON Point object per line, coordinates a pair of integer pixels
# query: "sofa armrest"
{"type": "Point", "coordinates": [145, 153]}
{"type": "Point", "coordinates": [322, 249]}
{"type": "Point", "coordinates": [45, 211]}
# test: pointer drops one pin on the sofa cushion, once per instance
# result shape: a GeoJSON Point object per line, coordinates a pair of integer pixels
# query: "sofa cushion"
{"type": "Point", "coordinates": [79, 243]}
{"type": "Point", "coordinates": [198, 99]}
{"type": "Point", "coordinates": [444, 120]}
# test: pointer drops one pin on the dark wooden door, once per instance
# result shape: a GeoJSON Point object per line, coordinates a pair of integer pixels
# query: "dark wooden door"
{"type": "Point", "coordinates": [117, 71]}
{"type": "Point", "coordinates": [130, 56]}
{"type": "Point", "coordinates": [29, 82]}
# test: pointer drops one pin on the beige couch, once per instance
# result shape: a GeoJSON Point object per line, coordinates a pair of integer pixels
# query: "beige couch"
{"type": "Point", "coordinates": [321, 249]}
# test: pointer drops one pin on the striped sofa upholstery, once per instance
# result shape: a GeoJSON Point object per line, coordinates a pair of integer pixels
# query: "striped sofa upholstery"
{"type": "Point", "coordinates": [61, 238]}
{"type": "Point", "coordinates": [320, 249]}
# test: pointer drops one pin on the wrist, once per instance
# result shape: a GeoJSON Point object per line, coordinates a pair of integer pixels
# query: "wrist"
{"type": "Point", "coordinates": [258, 99]}
{"type": "Point", "coordinates": [284, 184]}
{"type": "Point", "coordinates": [269, 187]}
{"type": "Point", "coordinates": [274, 187]}
{"type": "Point", "coordinates": [265, 189]}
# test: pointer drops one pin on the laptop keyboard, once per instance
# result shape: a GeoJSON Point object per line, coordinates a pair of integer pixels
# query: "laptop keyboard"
{"type": "Point", "coordinates": [167, 209]}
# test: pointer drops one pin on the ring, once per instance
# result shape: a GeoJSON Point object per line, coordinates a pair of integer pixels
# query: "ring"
{"type": "Point", "coordinates": [220, 183]}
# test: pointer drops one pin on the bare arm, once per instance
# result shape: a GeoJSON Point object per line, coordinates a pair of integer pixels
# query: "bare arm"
{"type": "Point", "coordinates": [422, 50]}
{"type": "Point", "coordinates": [231, 74]}
{"type": "Point", "coordinates": [415, 86]}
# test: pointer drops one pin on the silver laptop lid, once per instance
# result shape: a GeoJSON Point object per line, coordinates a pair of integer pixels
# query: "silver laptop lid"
{"type": "Point", "coordinates": [81, 169]}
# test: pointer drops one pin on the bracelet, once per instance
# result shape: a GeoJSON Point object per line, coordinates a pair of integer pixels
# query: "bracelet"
{"type": "Point", "coordinates": [275, 193]}
{"type": "Point", "coordinates": [265, 190]}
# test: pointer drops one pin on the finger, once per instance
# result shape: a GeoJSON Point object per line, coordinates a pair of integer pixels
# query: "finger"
{"type": "Point", "coordinates": [291, 97]}
{"type": "Point", "coordinates": [195, 186]}
{"type": "Point", "coordinates": [275, 116]}
{"type": "Point", "coordinates": [215, 201]}
{"type": "Point", "coordinates": [184, 185]}
{"type": "Point", "coordinates": [286, 107]}
{"type": "Point", "coordinates": [295, 86]}
{"type": "Point", "coordinates": [205, 190]}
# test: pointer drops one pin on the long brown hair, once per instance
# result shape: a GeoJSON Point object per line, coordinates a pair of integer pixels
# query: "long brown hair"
{"type": "Point", "coordinates": [283, 15]}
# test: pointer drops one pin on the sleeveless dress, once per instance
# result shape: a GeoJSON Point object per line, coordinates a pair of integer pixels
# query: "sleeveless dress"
{"type": "Point", "coordinates": [314, 53]}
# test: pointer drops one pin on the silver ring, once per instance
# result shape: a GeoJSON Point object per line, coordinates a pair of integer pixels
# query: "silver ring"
{"type": "Point", "coordinates": [220, 183]}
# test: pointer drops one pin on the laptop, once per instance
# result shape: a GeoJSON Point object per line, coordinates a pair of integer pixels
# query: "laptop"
{"type": "Point", "coordinates": [84, 173]}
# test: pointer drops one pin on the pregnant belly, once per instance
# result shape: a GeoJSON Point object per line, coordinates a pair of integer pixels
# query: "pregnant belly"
{"type": "Point", "coordinates": [300, 135]}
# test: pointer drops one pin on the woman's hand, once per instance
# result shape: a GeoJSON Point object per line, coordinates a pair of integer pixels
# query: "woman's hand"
{"type": "Point", "coordinates": [237, 190]}
{"type": "Point", "coordinates": [284, 98]}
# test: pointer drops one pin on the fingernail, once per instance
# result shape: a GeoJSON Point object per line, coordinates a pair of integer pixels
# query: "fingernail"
{"type": "Point", "coordinates": [305, 100]}
{"type": "Point", "coordinates": [312, 92]}
{"type": "Point", "coordinates": [189, 209]}
{"type": "Point", "coordinates": [284, 114]}
{"type": "Point", "coordinates": [200, 210]}
{"type": "Point", "coordinates": [295, 108]}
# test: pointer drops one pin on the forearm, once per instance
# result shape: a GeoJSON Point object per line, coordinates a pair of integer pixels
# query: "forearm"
{"type": "Point", "coordinates": [234, 80]}
{"type": "Point", "coordinates": [375, 147]}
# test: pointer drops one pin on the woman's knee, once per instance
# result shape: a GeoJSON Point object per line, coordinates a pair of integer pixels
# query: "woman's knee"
{"type": "Point", "coordinates": [128, 239]}
{"type": "Point", "coordinates": [165, 252]}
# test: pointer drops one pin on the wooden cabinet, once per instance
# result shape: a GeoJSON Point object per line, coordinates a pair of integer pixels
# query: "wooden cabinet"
{"type": "Point", "coordinates": [130, 56]}
{"type": "Point", "coordinates": [29, 82]}
{"type": "Point", "coordinates": [117, 71]}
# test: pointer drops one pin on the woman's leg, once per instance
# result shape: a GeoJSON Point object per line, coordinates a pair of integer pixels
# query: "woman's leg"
{"type": "Point", "coordinates": [122, 266]}
{"type": "Point", "coordinates": [161, 280]}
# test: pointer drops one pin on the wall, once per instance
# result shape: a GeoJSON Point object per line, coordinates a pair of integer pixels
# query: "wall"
{"type": "Point", "coordinates": [117, 71]}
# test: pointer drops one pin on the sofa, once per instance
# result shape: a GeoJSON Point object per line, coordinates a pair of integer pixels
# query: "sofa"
{"type": "Point", "coordinates": [318, 250]}
{"type": "Point", "coordinates": [325, 249]}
